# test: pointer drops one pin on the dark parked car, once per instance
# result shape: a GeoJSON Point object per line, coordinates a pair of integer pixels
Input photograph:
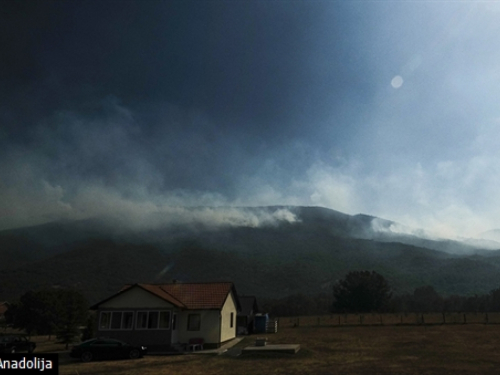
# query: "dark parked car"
{"type": "Point", "coordinates": [103, 348]}
{"type": "Point", "coordinates": [15, 344]}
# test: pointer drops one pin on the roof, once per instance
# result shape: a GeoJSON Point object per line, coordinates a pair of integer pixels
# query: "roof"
{"type": "Point", "coordinates": [200, 296]}
{"type": "Point", "coordinates": [248, 303]}
{"type": "Point", "coordinates": [191, 296]}
{"type": "Point", "coordinates": [158, 291]}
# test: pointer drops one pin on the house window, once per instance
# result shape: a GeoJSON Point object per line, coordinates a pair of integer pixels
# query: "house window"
{"type": "Point", "coordinates": [127, 320]}
{"type": "Point", "coordinates": [153, 320]}
{"type": "Point", "coordinates": [164, 320]}
{"type": "Point", "coordinates": [142, 320]}
{"type": "Point", "coordinates": [194, 322]}
{"type": "Point", "coordinates": [174, 322]}
{"type": "Point", "coordinates": [232, 320]}
{"type": "Point", "coordinates": [116, 320]}
{"type": "Point", "coordinates": [105, 320]}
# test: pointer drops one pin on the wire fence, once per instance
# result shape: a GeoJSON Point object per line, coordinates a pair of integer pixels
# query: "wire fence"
{"type": "Point", "coordinates": [389, 319]}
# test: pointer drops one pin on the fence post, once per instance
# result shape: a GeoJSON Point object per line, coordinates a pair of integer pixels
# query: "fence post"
{"type": "Point", "coordinates": [421, 320]}
{"type": "Point", "coordinates": [465, 319]}
{"type": "Point", "coordinates": [486, 319]}
{"type": "Point", "coordinates": [444, 318]}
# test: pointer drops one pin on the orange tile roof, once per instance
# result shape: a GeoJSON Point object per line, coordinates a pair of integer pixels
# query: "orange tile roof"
{"type": "Point", "coordinates": [192, 296]}
{"type": "Point", "coordinates": [158, 291]}
{"type": "Point", "coordinates": [199, 295]}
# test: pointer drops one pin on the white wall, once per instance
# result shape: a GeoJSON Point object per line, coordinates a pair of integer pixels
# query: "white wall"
{"type": "Point", "coordinates": [228, 332]}
{"type": "Point", "coordinates": [209, 328]}
{"type": "Point", "coordinates": [135, 298]}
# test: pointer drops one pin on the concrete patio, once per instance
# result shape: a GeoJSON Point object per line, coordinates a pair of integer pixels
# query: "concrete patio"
{"type": "Point", "coordinates": [280, 348]}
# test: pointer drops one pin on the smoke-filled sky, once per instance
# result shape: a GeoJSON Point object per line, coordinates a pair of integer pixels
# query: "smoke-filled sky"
{"type": "Point", "coordinates": [388, 108]}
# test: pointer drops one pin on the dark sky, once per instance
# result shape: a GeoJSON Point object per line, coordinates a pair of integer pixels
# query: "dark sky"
{"type": "Point", "coordinates": [381, 107]}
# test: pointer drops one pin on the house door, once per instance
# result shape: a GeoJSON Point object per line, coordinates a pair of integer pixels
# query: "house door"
{"type": "Point", "coordinates": [175, 337]}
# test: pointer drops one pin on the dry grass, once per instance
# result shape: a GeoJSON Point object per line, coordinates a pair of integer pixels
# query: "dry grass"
{"type": "Point", "coordinates": [438, 349]}
{"type": "Point", "coordinates": [46, 344]}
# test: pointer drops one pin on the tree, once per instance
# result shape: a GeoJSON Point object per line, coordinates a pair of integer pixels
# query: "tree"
{"type": "Point", "coordinates": [494, 298]}
{"type": "Point", "coordinates": [454, 303]}
{"type": "Point", "coordinates": [48, 311]}
{"type": "Point", "coordinates": [361, 291]}
{"type": "Point", "coordinates": [90, 327]}
{"type": "Point", "coordinates": [73, 312]}
{"type": "Point", "coordinates": [426, 299]}
{"type": "Point", "coordinates": [298, 304]}
{"type": "Point", "coordinates": [477, 303]}
{"type": "Point", "coordinates": [401, 303]}
{"type": "Point", "coordinates": [34, 312]}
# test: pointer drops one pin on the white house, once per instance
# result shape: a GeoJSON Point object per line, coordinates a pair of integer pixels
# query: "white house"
{"type": "Point", "coordinates": [166, 315]}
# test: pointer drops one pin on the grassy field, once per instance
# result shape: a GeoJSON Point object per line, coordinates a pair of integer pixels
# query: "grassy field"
{"type": "Point", "coordinates": [433, 349]}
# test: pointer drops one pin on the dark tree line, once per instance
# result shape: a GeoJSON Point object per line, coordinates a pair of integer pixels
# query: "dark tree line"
{"type": "Point", "coordinates": [298, 304]}
{"type": "Point", "coordinates": [364, 291]}
{"type": "Point", "coordinates": [426, 299]}
{"type": "Point", "coordinates": [50, 311]}
{"type": "Point", "coordinates": [368, 291]}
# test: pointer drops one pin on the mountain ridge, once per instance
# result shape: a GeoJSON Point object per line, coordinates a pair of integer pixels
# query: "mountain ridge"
{"type": "Point", "coordinates": [300, 254]}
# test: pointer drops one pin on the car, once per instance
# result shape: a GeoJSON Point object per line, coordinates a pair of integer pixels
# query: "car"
{"type": "Point", "coordinates": [106, 348]}
{"type": "Point", "coordinates": [15, 344]}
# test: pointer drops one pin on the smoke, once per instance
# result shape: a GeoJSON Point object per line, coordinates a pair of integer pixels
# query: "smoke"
{"type": "Point", "coordinates": [136, 174]}
{"type": "Point", "coordinates": [147, 217]}
{"type": "Point", "coordinates": [388, 227]}
{"type": "Point", "coordinates": [50, 203]}
{"type": "Point", "coordinates": [174, 167]}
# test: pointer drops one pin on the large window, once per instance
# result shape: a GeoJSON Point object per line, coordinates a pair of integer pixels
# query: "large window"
{"type": "Point", "coordinates": [116, 320]}
{"type": "Point", "coordinates": [105, 321]}
{"type": "Point", "coordinates": [164, 320]}
{"type": "Point", "coordinates": [142, 320]}
{"type": "Point", "coordinates": [156, 319]}
{"type": "Point", "coordinates": [174, 322]}
{"type": "Point", "coordinates": [194, 322]}
{"type": "Point", "coordinates": [153, 320]}
{"type": "Point", "coordinates": [127, 320]}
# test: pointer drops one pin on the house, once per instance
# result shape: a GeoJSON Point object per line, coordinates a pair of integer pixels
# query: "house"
{"type": "Point", "coordinates": [169, 315]}
{"type": "Point", "coordinates": [245, 318]}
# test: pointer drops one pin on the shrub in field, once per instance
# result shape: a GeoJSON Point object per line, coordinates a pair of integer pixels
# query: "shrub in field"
{"type": "Point", "coordinates": [361, 291]}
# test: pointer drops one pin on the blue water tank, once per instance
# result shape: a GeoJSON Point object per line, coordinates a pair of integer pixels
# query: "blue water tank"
{"type": "Point", "coordinates": [260, 323]}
